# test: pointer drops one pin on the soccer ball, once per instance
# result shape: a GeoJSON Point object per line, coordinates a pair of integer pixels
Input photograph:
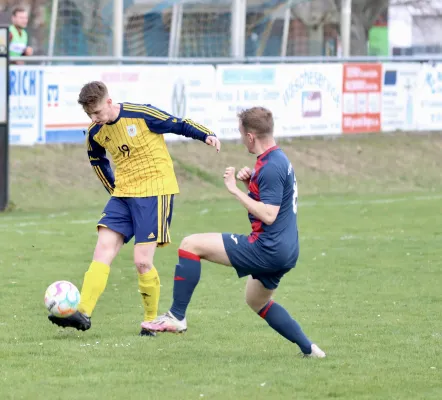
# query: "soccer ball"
{"type": "Point", "coordinates": [62, 298]}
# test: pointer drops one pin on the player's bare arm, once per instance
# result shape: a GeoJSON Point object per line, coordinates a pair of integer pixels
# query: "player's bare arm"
{"type": "Point", "coordinates": [264, 212]}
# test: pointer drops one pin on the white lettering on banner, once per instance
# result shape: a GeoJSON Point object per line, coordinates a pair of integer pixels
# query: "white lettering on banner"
{"type": "Point", "coordinates": [25, 104]}
{"type": "Point", "coordinates": [357, 72]}
{"type": "Point", "coordinates": [428, 98]}
{"type": "Point", "coordinates": [353, 86]}
{"type": "Point", "coordinates": [364, 121]}
{"type": "Point", "coordinates": [399, 86]}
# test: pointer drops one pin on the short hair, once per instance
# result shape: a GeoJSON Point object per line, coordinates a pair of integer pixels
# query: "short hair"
{"type": "Point", "coordinates": [92, 93]}
{"type": "Point", "coordinates": [18, 9]}
{"type": "Point", "coordinates": [258, 120]}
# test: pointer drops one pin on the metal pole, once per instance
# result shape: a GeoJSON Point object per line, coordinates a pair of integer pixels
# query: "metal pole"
{"type": "Point", "coordinates": [234, 29]}
{"type": "Point", "coordinates": [173, 31]}
{"type": "Point", "coordinates": [179, 28]}
{"type": "Point", "coordinates": [118, 28]}
{"type": "Point", "coordinates": [4, 125]}
{"type": "Point", "coordinates": [346, 27]}
{"type": "Point", "coordinates": [238, 28]}
{"type": "Point", "coordinates": [242, 27]}
{"type": "Point", "coordinates": [286, 28]}
{"type": "Point", "coordinates": [53, 27]}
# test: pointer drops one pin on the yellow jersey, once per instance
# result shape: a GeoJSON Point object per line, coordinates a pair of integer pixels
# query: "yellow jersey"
{"type": "Point", "coordinates": [135, 141]}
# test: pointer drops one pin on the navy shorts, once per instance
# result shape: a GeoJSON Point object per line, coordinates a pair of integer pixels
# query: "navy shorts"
{"type": "Point", "coordinates": [146, 218]}
{"type": "Point", "coordinates": [250, 259]}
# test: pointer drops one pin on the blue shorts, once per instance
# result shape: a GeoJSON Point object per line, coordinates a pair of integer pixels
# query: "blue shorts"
{"type": "Point", "coordinates": [251, 259]}
{"type": "Point", "coordinates": [146, 218]}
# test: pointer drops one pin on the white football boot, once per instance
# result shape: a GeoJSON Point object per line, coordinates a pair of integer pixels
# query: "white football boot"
{"type": "Point", "coordinates": [165, 323]}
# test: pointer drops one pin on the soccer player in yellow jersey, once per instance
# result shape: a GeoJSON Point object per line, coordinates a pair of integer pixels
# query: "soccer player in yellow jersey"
{"type": "Point", "coordinates": [142, 192]}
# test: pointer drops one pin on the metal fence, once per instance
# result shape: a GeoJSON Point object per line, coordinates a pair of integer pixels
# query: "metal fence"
{"type": "Point", "coordinates": [209, 29]}
{"type": "Point", "coordinates": [180, 28]}
{"type": "Point", "coordinates": [94, 60]}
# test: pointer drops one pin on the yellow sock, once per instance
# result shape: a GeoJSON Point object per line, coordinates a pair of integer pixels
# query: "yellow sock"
{"type": "Point", "coordinates": [149, 288]}
{"type": "Point", "coordinates": [95, 280]}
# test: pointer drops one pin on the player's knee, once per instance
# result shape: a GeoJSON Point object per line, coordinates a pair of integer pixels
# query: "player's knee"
{"type": "Point", "coordinates": [144, 256]}
{"type": "Point", "coordinates": [190, 244]}
{"type": "Point", "coordinates": [255, 303]}
{"type": "Point", "coordinates": [105, 252]}
{"type": "Point", "coordinates": [143, 265]}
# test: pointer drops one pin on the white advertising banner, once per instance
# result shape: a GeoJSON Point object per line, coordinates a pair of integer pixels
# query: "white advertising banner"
{"type": "Point", "coordinates": [399, 84]}
{"type": "Point", "coordinates": [184, 91]}
{"type": "Point", "coordinates": [428, 99]}
{"type": "Point", "coordinates": [304, 99]}
{"type": "Point", "coordinates": [64, 119]}
{"type": "Point", "coordinates": [311, 99]}
{"type": "Point", "coordinates": [180, 90]}
{"type": "Point", "coordinates": [244, 86]}
{"type": "Point", "coordinates": [25, 105]}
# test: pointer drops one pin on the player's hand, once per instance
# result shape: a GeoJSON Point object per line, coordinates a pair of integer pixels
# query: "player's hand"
{"type": "Point", "coordinates": [29, 51]}
{"type": "Point", "coordinates": [214, 141]}
{"type": "Point", "coordinates": [244, 174]}
{"type": "Point", "coordinates": [229, 179]}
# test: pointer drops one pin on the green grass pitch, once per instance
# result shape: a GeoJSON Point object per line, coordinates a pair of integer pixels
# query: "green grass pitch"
{"type": "Point", "coordinates": [367, 289]}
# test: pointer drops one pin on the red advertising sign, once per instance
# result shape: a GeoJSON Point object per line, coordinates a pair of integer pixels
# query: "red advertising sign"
{"type": "Point", "coordinates": [361, 98]}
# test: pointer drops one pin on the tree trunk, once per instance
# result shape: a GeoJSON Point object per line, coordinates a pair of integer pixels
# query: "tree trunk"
{"type": "Point", "coordinates": [359, 36]}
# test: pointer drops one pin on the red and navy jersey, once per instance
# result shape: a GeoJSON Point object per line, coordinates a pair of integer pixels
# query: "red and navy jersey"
{"type": "Point", "coordinates": [273, 182]}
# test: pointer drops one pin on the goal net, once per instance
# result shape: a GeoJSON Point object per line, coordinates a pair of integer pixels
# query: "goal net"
{"type": "Point", "coordinates": [82, 27]}
{"type": "Point", "coordinates": [147, 28]}
{"type": "Point", "coordinates": [203, 28]}
{"type": "Point", "coordinates": [195, 28]}
{"type": "Point", "coordinates": [292, 28]}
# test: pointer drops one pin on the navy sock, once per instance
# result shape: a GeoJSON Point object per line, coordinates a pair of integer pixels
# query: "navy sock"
{"type": "Point", "coordinates": [187, 276]}
{"type": "Point", "coordinates": [281, 321]}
